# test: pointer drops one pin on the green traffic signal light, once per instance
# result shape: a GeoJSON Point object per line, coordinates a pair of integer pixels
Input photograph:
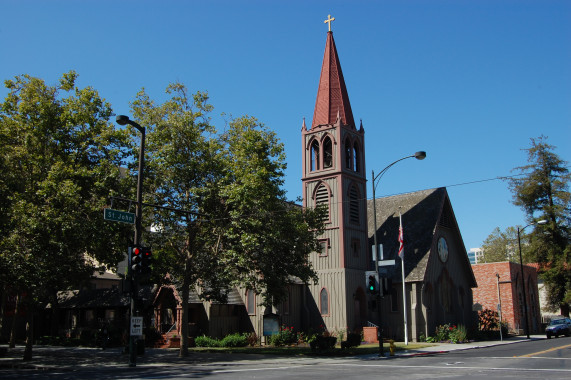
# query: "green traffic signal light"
{"type": "Point", "coordinates": [372, 284]}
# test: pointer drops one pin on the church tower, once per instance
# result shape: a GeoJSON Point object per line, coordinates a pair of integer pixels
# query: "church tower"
{"type": "Point", "coordinates": [334, 176]}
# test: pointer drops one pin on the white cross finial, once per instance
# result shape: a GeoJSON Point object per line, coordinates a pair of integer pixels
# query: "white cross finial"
{"type": "Point", "coordinates": [328, 21]}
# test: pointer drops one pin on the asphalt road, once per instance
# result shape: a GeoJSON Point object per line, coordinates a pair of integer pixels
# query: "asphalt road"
{"type": "Point", "coordinates": [535, 359]}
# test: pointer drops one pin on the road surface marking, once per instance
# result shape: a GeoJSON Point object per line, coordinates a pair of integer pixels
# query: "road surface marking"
{"type": "Point", "coordinates": [545, 351]}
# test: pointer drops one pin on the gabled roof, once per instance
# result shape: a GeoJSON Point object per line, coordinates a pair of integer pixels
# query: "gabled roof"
{"type": "Point", "coordinates": [332, 98]}
{"type": "Point", "coordinates": [422, 211]}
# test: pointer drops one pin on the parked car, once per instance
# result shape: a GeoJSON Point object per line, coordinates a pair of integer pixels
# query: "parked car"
{"type": "Point", "coordinates": [556, 327]}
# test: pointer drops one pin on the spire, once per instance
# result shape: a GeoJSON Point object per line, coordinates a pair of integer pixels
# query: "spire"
{"type": "Point", "coordinates": [332, 97]}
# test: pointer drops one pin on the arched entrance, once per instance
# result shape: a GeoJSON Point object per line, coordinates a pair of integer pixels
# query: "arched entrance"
{"type": "Point", "coordinates": [360, 309]}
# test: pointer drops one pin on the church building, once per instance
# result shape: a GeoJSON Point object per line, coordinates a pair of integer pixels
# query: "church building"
{"type": "Point", "coordinates": [438, 276]}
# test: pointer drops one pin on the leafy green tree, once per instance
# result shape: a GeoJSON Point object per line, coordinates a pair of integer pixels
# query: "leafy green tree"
{"type": "Point", "coordinates": [542, 192]}
{"type": "Point", "coordinates": [60, 160]}
{"type": "Point", "coordinates": [503, 246]}
{"type": "Point", "coordinates": [227, 220]}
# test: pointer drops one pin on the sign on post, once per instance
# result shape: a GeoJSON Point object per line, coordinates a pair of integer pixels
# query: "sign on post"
{"type": "Point", "coordinates": [136, 326]}
{"type": "Point", "coordinates": [118, 216]}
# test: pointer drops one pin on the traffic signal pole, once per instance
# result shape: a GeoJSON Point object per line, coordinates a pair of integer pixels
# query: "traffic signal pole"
{"type": "Point", "coordinates": [377, 258]}
{"type": "Point", "coordinates": [122, 120]}
{"type": "Point", "coordinates": [137, 240]}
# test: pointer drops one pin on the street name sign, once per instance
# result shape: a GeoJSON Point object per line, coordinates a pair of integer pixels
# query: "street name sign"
{"type": "Point", "coordinates": [136, 326]}
{"type": "Point", "coordinates": [118, 216]}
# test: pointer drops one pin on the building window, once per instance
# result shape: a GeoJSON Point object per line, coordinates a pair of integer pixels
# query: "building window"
{"type": "Point", "coordinates": [347, 153]}
{"type": "Point", "coordinates": [314, 156]}
{"type": "Point", "coordinates": [356, 247]}
{"type": "Point", "coordinates": [394, 300]}
{"type": "Point", "coordinates": [251, 302]}
{"type": "Point", "coordinates": [324, 243]}
{"type": "Point", "coordinates": [354, 205]}
{"type": "Point", "coordinates": [324, 302]}
{"type": "Point", "coordinates": [327, 153]}
{"type": "Point", "coordinates": [322, 199]}
{"type": "Point", "coordinates": [356, 158]}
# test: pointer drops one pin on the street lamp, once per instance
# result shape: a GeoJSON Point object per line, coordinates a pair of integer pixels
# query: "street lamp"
{"type": "Point", "coordinates": [539, 222]}
{"type": "Point", "coordinates": [421, 155]}
{"type": "Point", "coordinates": [123, 120]}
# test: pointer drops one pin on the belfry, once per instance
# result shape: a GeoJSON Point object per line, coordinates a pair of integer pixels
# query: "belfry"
{"type": "Point", "coordinates": [334, 176]}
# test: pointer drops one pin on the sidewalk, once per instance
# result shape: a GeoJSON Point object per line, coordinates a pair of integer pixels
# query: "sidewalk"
{"type": "Point", "coordinates": [51, 357]}
{"type": "Point", "coordinates": [447, 347]}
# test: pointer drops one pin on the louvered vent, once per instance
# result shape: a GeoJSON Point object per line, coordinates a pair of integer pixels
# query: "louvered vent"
{"type": "Point", "coordinates": [354, 205]}
{"type": "Point", "coordinates": [322, 198]}
{"type": "Point", "coordinates": [446, 219]}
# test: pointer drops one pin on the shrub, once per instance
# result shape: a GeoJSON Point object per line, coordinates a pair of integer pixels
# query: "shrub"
{"type": "Point", "coordinates": [235, 340]}
{"type": "Point", "coordinates": [488, 320]}
{"type": "Point", "coordinates": [458, 334]}
{"type": "Point", "coordinates": [448, 332]}
{"type": "Point", "coordinates": [285, 336]}
{"type": "Point", "coordinates": [353, 340]}
{"type": "Point", "coordinates": [206, 341]}
{"type": "Point", "coordinates": [442, 333]}
{"type": "Point", "coordinates": [323, 343]}
{"type": "Point", "coordinates": [252, 339]}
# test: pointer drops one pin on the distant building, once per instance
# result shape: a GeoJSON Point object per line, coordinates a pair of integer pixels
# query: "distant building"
{"type": "Point", "coordinates": [510, 293]}
{"type": "Point", "coordinates": [475, 255]}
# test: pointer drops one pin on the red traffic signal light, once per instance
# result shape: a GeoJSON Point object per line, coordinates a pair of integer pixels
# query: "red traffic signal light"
{"type": "Point", "coordinates": [136, 259]}
{"type": "Point", "coordinates": [147, 258]}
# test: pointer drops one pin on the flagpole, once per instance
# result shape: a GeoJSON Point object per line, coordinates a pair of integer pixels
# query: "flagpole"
{"type": "Point", "coordinates": [401, 254]}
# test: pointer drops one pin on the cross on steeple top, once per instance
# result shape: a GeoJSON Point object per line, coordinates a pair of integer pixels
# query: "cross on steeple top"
{"type": "Point", "coordinates": [328, 21]}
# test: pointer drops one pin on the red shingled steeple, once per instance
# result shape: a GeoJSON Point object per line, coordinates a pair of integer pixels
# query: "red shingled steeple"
{"type": "Point", "coordinates": [332, 98]}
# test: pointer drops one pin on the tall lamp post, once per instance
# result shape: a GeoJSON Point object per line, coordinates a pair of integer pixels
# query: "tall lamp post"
{"type": "Point", "coordinates": [123, 120]}
{"type": "Point", "coordinates": [421, 155]}
{"type": "Point", "coordinates": [519, 230]}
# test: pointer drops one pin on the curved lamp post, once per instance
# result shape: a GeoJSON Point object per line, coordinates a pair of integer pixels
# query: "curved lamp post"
{"type": "Point", "coordinates": [539, 222]}
{"type": "Point", "coordinates": [421, 155]}
{"type": "Point", "coordinates": [123, 120]}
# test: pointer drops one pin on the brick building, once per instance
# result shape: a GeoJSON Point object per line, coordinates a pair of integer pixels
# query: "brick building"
{"type": "Point", "coordinates": [510, 291]}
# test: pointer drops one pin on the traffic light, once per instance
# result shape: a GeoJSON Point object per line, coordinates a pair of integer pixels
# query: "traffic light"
{"type": "Point", "coordinates": [136, 260]}
{"type": "Point", "coordinates": [372, 281]}
{"type": "Point", "coordinates": [147, 260]}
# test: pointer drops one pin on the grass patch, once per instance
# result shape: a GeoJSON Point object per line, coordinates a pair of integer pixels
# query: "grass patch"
{"type": "Point", "coordinates": [363, 349]}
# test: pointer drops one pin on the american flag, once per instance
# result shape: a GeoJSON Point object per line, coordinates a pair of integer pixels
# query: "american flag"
{"type": "Point", "coordinates": [401, 241]}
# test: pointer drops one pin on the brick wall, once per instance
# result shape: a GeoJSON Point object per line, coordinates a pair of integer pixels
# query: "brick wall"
{"type": "Point", "coordinates": [486, 294]}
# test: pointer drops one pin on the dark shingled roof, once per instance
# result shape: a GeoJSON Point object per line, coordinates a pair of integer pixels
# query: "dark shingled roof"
{"type": "Point", "coordinates": [420, 213]}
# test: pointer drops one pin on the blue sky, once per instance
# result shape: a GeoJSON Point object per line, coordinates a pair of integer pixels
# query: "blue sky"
{"type": "Point", "coordinates": [469, 82]}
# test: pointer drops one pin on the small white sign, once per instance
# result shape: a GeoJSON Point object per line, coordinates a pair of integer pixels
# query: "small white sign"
{"type": "Point", "coordinates": [136, 326]}
{"type": "Point", "coordinates": [384, 263]}
{"type": "Point", "coordinates": [375, 252]}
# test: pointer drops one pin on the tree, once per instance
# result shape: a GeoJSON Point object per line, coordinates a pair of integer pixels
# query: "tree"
{"type": "Point", "coordinates": [503, 246]}
{"type": "Point", "coordinates": [542, 192]}
{"type": "Point", "coordinates": [227, 218]}
{"type": "Point", "coordinates": [59, 159]}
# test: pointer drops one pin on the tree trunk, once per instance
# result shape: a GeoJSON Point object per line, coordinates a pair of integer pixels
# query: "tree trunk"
{"type": "Point", "coordinates": [14, 318]}
{"type": "Point", "coordinates": [184, 317]}
{"type": "Point", "coordinates": [3, 308]}
{"type": "Point", "coordinates": [29, 334]}
{"type": "Point", "coordinates": [54, 327]}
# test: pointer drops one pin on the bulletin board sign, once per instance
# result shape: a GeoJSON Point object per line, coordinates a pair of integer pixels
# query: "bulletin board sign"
{"type": "Point", "coordinates": [271, 324]}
